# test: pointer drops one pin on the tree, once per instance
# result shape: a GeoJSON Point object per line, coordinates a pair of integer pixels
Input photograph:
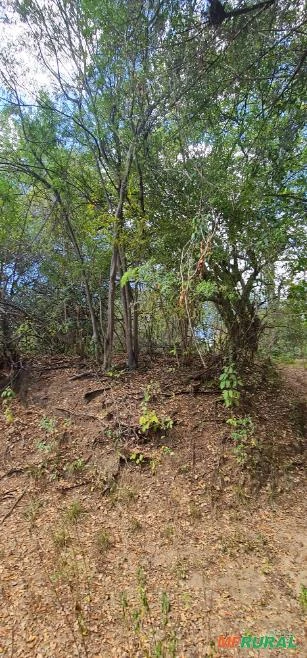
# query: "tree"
{"type": "Point", "coordinates": [159, 136]}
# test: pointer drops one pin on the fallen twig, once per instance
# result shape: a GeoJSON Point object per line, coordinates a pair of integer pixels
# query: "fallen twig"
{"type": "Point", "coordinates": [74, 413]}
{"type": "Point", "coordinates": [91, 395]}
{"type": "Point", "coordinates": [13, 471]}
{"type": "Point", "coordinates": [191, 391]}
{"type": "Point", "coordinates": [61, 366]}
{"type": "Point", "coordinates": [13, 506]}
{"type": "Point", "coordinates": [7, 494]}
{"type": "Point", "coordinates": [82, 375]}
{"type": "Point", "coordinates": [64, 490]}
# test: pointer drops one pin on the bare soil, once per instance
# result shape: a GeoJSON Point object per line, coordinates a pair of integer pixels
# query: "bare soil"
{"type": "Point", "coordinates": [101, 556]}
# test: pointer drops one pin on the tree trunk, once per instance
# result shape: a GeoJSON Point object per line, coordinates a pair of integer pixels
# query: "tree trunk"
{"type": "Point", "coordinates": [95, 331]}
{"type": "Point", "coordinates": [95, 334]}
{"type": "Point", "coordinates": [243, 328]}
{"type": "Point", "coordinates": [9, 355]}
{"type": "Point", "coordinates": [136, 327]}
{"type": "Point", "coordinates": [101, 317]}
{"type": "Point", "coordinates": [128, 304]}
{"type": "Point", "coordinates": [108, 343]}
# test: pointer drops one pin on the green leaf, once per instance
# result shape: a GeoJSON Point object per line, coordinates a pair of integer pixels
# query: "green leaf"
{"type": "Point", "coordinates": [130, 275]}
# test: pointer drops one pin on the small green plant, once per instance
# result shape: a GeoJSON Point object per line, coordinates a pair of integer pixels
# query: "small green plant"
{"type": "Point", "coordinates": [147, 394]}
{"type": "Point", "coordinates": [303, 598]}
{"type": "Point", "coordinates": [166, 450]}
{"type": "Point", "coordinates": [195, 511]}
{"type": "Point", "coordinates": [8, 415]}
{"type": "Point", "coordinates": [168, 532]}
{"type": "Point", "coordinates": [7, 396]}
{"type": "Point", "coordinates": [125, 495]}
{"type": "Point", "coordinates": [44, 446]}
{"type": "Point", "coordinates": [37, 471]}
{"type": "Point", "coordinates": [230, 385]}
{"type": "Point", "coordinates": [180, 569]}
{"type": "Point", "coordinates": [75, 466]}
{"type": "Point", "coordinates": [152, 391]}
{"type": "Point", "coordinates": [167, 423]}
{"type": "Point", "coordinates": [103, 541]}
{"type": "Point", "coordinates": [243, 429]}
{"type": "Point", "coordinates": [150, 421]}
{"type": "Point", "coordinates": [135, 525]}
{"type": "Point", "coordinates": [183, 469]}
{"type": "Point", "coordinates": [153, 640]}
{"type": "Point", "coordinates": [62, 538]}
{"type": "Point", "coordinates": [114, 373]}
{"type": "Point", "coordinates": [48, 424]}
{"type": "Point", "coordinates": [137, 458]}
{"type": "Point", "coordinates": [74, 511]}
{"type": "Point", "coordinates": [165, 607]}
{"type": "Point", "coordinates": [154, 462]}
{"type": "Point", "coordinates": [31, 511]}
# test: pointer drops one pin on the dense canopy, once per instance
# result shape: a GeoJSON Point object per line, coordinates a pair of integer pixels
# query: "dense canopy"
{"type": "Point", "coordinates": [151, 177]}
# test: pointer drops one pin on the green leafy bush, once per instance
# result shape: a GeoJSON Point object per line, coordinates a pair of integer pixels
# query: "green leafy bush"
{"type": "Point", "coordinates": [229, 385]}
{"type": "Point", "coordinates": [7, 396]}
{"type": "Point", "coordinates": [151, 422]}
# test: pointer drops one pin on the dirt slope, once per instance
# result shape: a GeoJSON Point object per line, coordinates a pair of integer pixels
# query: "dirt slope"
{"type": "Point", "coordinates": [102, 556]}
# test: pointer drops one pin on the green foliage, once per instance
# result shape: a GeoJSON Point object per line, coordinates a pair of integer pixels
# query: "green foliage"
{"type": "Point", "coordinates": [129, 275]}
{"type": "Point", "coordinates": [137, 458]}
{"type": "Point", "coordinates": [74, 511]}
{"type": "Point", "coordinates": [303, 598]}
{"type": "Point", "coordinates": [48, 424]}
{"type": "Point", "coordinates": [243, 430]}
{"type": "Point", "coordinates": [103, 541]}
{"type": "Point", "coordinates": [152, 391]}
{"type": "Point", "coordinates": [7, 396]}
{"type": "Point", "coordinates": [166, 450]}
{"type": "Point", "coordinates": [62, 538]}
{"type": "Point", "coordinates": [43, 446]}
{"type": "Point", "coordinates": [229, 385]}
{"type": "Point", "coordinates": [151, 422]}
{"type": "Point", "coordinates": [115, 374]}
{"type": "Point", "coordinates": [27, 338]}
{"type": "Point", "coordinates": [206, 289]}
{"type": "Point", "coordinates": [8, 415]}
{"type": "Point", "coordinates": [212, 203]}
{"type": "Point", "coordinates": [32, 509]}
{"type": "Point", "coordinates": [286, 336]}
{"type": "Point", "coordinates": [75, 466]}
{"type": "Point", "coordinates": [153, 640]}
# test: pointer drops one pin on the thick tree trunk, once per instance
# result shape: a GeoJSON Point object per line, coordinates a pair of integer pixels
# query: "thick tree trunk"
{"type": "Point", "coordinates": [243, 328]}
